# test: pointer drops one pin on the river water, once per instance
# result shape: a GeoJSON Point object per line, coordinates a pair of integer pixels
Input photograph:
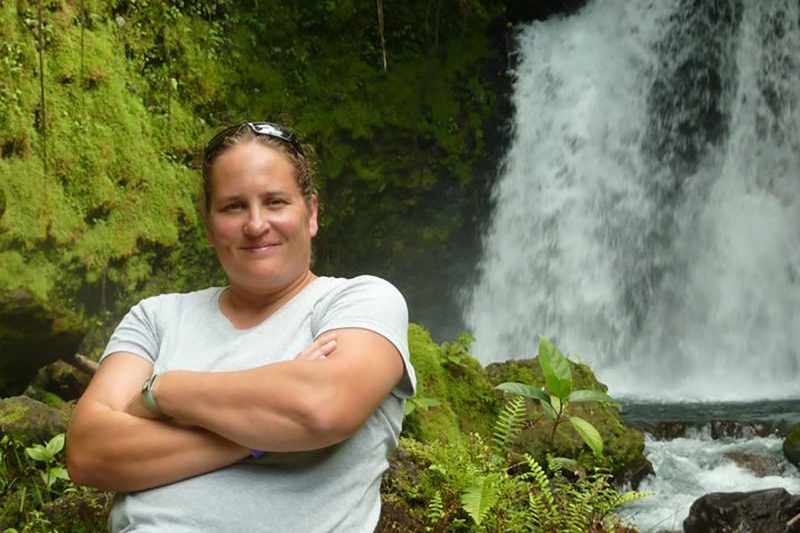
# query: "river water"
{"type": "Point", "coordinates": [723, 447]}
{"type": "Point", "coordinates": [648, 220]}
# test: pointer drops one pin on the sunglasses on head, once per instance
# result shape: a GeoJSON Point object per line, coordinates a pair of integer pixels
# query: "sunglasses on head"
{"type": "Point", "coordinates": [261, 129]}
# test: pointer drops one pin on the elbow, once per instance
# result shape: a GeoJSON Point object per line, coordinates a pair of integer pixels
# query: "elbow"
{"type": "Point", "coordinates": [334, 423]}
{"type": "Point", "coordinates": [85, 471]}
{"type": "Point", "coordinates": [83, 465]}
{"type": "Point", "coordinates": [77, 467]}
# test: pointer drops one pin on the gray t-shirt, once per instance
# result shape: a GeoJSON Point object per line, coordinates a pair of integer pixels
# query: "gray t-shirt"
{"type": "Point", "coordinates": [336, 489]}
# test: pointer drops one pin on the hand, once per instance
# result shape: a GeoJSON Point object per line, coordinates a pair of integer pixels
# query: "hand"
{"type": "Point", "coordinates": [321, 348]}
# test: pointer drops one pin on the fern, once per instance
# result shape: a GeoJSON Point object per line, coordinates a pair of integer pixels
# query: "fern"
{"type": "Point", "coordinates": [480, 497]}
{"type": "Point", "coordinates": [435, 510]}
{"type": "Point", "coordinates": [558, 505]}
{"type": "Point", "coordinates": [509, 423]}
{"type": "Point", "coordinates": [541, 502]}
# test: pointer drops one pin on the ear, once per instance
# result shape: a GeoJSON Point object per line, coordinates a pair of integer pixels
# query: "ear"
{"type": "Point", "coordinates": [313, 224]}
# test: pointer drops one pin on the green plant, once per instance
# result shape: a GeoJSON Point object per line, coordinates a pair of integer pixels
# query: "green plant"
{"type": "Point", "coordinates": [478, 486]}
{"type": "Point", "coordinates": [420, 402]}
{"type": "Point", "coordinates": [558, 505]}
{"type": "Point", "coordinates": [52, 470]}
{"type": "Point", "coordinates": [557, 394]}
{"type": "Point", "coordinates": [455, 353]}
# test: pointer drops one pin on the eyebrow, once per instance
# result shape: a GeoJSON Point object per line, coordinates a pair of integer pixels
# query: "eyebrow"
{"type": "Point", "coordinates": [269, 193]}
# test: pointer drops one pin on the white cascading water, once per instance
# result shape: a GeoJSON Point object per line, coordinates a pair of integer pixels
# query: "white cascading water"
{"type": "Point", "coordinates": [689, 467]}
{"type": "Point", "coordinates": [648, 217]}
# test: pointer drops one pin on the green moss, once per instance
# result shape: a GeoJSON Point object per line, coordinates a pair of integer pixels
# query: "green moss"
{"type": "Point", "coordinates": [452, 377]}
{"type": "Point", "coordinates": [438, 422]}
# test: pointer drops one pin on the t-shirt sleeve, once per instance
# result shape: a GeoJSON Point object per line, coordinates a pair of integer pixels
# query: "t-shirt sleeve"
{"type": "Point", "coordinates": [375, 304]}
{"type": "Point", "coordinates": [137, 333]}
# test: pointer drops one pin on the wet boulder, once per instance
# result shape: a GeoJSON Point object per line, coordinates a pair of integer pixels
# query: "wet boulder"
{"type": "Point", "coordinates": [759, 465]}
{"type": "Point", "coordinates": [742, 512]}
{"type": "Point", "coordinates": [791, 446]}
{"type": "Point", "coordinates": [33, 334]}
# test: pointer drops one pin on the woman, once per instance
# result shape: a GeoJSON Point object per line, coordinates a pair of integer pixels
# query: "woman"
{"type": "Point", "coordinates": [268, 405]}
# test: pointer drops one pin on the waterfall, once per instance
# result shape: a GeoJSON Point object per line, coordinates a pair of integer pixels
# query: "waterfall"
{"type": "Point", "coordinates": [648, 219]}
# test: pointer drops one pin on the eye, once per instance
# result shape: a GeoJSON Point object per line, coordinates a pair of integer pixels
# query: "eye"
{"type": "Point", "coordinates": [275, 202]}
{"type": "Point", "coordinates": [233, 207]}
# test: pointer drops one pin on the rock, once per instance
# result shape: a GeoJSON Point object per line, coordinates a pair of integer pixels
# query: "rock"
{"type": "Point", "coordinates": [63, 380]}
{"type": "Point", "coordinates": [33, 334]}
{"type": "Point", "coordinates": [719, 429]}
{"type": "Point", "coordinates": [29, 421]}
{"type": "Point", "coordinates": [791, 446]}
{"type": "Point", "coordinates": [759, 465]}
{"type": "Point", "coordinates": [763, 511]}
{"type": "Point", "coordinates": [634, 473]}
{"type": "Point", "coordinates": [666, 429]}
{"type": "Point", "coordinates": [733, 429]}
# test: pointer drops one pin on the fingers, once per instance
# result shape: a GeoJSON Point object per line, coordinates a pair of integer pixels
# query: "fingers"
{"type": "Point", "coordinates": [322, 347]}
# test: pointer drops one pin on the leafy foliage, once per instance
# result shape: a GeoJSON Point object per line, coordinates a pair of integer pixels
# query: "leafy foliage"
{"type": "Point", "coordinates": [485, 483]}
{"type": "Point", "coordinates": [470, 487]}
{"type": "Point", "coordinates": [560, 505]}
{"type": "Point", "coordinates": [558, 393]}
{"type": "Point", "coordinates": [52, 470]}
{"type": "Point", "coordinates": [34, 482]}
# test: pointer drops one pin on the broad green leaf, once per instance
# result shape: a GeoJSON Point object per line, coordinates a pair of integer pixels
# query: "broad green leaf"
{"type": "Point", "coordinates": [587, 395]}
{"type": "Point", "coordinates": [410, 406]}
{"type": "Point", "coordinates": [59, 472]}
{"type": "Point", "coordinates": [589, 434]}
{"type": "Point", "coordinates": [529, 391]}
{"type": "Point", "coordinates": [480, 497]}
{"type": "Point", "coordinates": [555, 367]}
{"type": "Point", "coordinates": [37, 452]}
{"type": "Point", "coordinates": [548, 409]}
{"type": "Point", "coordinates": [55, 445]}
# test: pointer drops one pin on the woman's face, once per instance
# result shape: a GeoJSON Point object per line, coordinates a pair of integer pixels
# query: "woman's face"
{"type": "Point", "coordinates": [258, 221]}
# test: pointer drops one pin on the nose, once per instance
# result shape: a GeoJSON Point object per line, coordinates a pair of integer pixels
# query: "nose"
{"type": "Point", "coordinates": [256, 224]}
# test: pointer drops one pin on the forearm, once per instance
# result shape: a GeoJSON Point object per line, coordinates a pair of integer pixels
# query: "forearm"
{"type": "Point", "coordinates": [289, 406]}
{"type": "Point", "coordinates": [113, 450]}
{"type": "Point", "coordinates": [279, 407]}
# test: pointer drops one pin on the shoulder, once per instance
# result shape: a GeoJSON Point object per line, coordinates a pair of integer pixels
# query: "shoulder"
{"type": "Point", "coordinates": [370, 303]}
{"type": "Point", "coordinates": [360, 290]}
{"type": "Point", "coordinates": [174, 301]}
{"type": "Point", "coordinates": [364, 283]}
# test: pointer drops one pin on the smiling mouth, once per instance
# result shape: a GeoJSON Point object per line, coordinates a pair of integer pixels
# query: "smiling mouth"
{"type": "Point", "coordinates": [258, 247]}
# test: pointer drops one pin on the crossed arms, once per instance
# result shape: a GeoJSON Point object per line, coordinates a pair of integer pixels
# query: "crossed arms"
{"type": "Point", "coordinates": [317, 400]}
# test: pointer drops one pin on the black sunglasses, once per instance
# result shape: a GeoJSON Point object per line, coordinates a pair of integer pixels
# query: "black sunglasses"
{"type": "Point", "coordinates": [265, 129]}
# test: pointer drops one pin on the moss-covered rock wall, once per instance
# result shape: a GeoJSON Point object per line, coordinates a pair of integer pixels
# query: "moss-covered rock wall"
{"type": "Point", "coordinates": [104, 106]}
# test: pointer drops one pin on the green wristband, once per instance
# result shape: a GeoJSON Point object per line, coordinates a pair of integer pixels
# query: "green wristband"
{"type": "Point", "coordinates": [148, 399]}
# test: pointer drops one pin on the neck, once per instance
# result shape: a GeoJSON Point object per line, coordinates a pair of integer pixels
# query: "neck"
{"type": "Point", "coordinates": [246, 308]}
